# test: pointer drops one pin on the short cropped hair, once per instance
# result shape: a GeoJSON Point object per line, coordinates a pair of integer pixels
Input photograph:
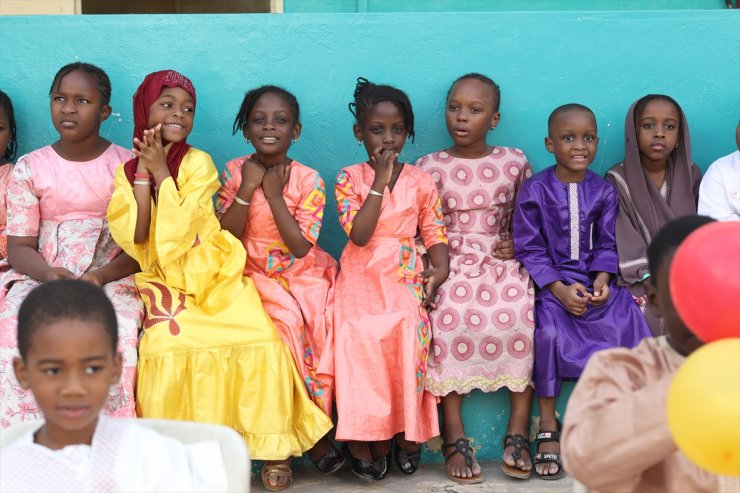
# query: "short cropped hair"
{"type": "Point", "coordinates": [66, 299]}
{"type": "Point", "coordinates": [668, 239]}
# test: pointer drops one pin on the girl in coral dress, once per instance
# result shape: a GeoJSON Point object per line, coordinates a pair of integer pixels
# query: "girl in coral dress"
{"type": "Point", "coordinates": [209, 351]}
{"type": "Point", "coordinates": [382, 332]}
{"type": "Point", "coordinates": [57, 199]}
{"type": "Point", "coordinates": [275, 205]}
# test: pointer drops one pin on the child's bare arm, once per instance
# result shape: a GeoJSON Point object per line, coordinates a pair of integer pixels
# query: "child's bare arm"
{"type": "Point", "coordinates": [439, 258]}
{"type": "Point", "coordinates": [24, 256]}
{"type": "Point", "coordinates": [289, 229]}
{"type": "Point", "coordinates": [116, 269]}
{"type": "Point", "coordinates": [366, 220]}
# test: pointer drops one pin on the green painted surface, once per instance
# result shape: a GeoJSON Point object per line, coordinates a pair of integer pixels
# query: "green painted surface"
{"type": "Point", "coordinates": [345, 6]}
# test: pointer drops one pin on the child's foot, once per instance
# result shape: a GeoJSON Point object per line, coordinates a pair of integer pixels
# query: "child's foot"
{"type": "Point", "coordinates": [517, 462]}
{"type": "Point", "coordinates": [325, 457]}
{"type": "Point", "coordinates": [276, 474]}
{"type": "Point", "coordinates": [460, 460]}
{"type": "Point", "coordinates": [407, 454]}
{"type": "Point", "coordinates": [547, 461]}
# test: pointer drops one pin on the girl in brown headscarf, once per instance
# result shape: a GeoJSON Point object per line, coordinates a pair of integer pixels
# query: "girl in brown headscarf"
{"type": "Point", "coordinates": [656, 182]}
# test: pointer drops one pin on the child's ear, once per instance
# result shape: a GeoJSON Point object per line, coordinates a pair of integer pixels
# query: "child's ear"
{"type": "Point", "coordinates": [548, 144]}
{"type": "Point", "coordinates": [297, 131]}
{"type": "Point", "coordinates": [117, 368]}
{"type": "Point", "coordinates": [21, 372]}
{"type": "Point", "coordinates": [357, 131]}
{"type": "Point", "coordinates": [105, 113]}
{"type": "Point", "coordinates": [651, 292]}
{"type": "Point", "coordinates": [495, 119]}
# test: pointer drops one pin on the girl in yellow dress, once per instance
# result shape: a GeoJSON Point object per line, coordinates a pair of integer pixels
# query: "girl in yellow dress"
{"type": "Point", "coordinates": [209, 352]}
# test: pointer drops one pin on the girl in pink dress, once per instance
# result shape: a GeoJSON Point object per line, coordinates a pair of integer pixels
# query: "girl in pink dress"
{"type": "Point", "coordinates": [275, 205]}
{"type": "Point", "coordinates": [484, 322]}
{"type": "Point", "coordinates": [8, 146]}
{"type": "Point", "coordinates": [382, 332]}
{"type": "Point", "coordinates": [57, 228]}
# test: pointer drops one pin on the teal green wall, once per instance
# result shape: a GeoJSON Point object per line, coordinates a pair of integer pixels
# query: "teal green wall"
{"type": "Point", "coordinates": [344, 6]}
{"type": "Point", "coordinates": [605, 60]}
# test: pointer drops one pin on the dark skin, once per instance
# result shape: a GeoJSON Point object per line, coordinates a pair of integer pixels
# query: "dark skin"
{"type": "Point", "coordinates": [471, 113]}
{"type": "Point", "coordinates": [572, 138]}
{"type": "Point", "coordinates": [270, 127]}
{"type": "Point", "coordinates": [384, 132]}
{"type": "Point", "coordinates": [77, 111]}
{"type": "Point", "coordinates": [170, 120]}
{"type": "Point", "coordinates": [658, 132]}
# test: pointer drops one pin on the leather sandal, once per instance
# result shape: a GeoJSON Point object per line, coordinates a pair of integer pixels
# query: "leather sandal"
{"type": "Point", "coordinates": [519, 443]}
{"type": "Point", "coordinates": [276, 471]}
{"type": "Point", "coordinates": [462, 447]}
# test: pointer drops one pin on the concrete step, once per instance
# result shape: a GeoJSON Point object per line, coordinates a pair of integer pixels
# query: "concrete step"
{"type": "Point", "coordinates": [430, 478]}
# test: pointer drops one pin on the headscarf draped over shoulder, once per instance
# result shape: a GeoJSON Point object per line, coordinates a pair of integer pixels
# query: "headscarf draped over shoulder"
{"type": "Point", "coordinates": [145, 96]}
{"type": "Point", "coordinates": [651, 208]}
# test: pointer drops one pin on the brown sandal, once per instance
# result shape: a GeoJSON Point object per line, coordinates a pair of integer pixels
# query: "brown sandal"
{"type": "Point", "coordinates": [276, 470]}
{"type": "Point", "coordinates": [462, 447]}
{"type": "Point", "coordinates": [519, 443]}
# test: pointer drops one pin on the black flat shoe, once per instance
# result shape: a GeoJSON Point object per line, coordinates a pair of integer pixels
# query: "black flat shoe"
{"type": "Point", "coordinates": [383, 465]}
{"type": "Point", "coordinates": [330, 462]}
{"type": "Point", "coordinates": [406, 461]}
{"type": "Point", "coordinates": [361, 468]}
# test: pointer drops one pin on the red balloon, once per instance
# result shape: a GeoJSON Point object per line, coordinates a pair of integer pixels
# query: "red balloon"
{"type": "Point", "coordinates": [705, 281]}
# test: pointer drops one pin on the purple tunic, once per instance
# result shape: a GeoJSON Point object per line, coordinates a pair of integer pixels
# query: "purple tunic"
{"type": "Point", "coordinates": [565, 232]}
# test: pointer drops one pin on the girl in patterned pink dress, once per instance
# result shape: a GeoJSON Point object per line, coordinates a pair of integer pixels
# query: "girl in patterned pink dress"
{"type": "Point", "coordinates": [484, 322]}
{"type": "Point", "coordinates": [275, 205]}
{"type": "Point", "coordinates": [382, 331]}
{"type": "Point", "coordinates": [8, 145]}
{"type": "Point", "coordinates": [57, 228]}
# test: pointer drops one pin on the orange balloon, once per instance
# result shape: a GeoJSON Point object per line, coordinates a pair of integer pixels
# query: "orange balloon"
{"type": "Point", "coordinates": [705, 281]}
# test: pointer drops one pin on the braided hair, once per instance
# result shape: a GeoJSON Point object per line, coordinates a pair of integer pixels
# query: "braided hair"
{"type": "Point", "coordinates": [368, 95]}
{"type": "Point", "coordinates": [250, 99]}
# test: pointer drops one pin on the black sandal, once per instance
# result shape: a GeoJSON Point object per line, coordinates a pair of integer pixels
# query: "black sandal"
{"type": "Point", "coordinates": [519, 443]}
{"type": "Point", "coordinates": [549, 458]}
{"type": "Point", "coordinates": [462, 447]}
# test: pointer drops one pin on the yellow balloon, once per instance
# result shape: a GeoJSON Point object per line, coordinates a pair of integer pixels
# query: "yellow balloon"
{"type": "Point", "coordinates": [704, 407]}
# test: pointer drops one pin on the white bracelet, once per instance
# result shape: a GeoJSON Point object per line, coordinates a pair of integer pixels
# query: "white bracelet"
{"type": "Point", "coordinates": [142, 182]}
{"type": "Point", "coordinates": [373, 192]}
{"type": "Point", "coordinates": [240, 201]}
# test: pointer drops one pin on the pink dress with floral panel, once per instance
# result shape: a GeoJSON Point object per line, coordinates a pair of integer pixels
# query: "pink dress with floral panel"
{"type": "Point", "coordinates": [483, 326]}
{"type": "Point", "coordinates": [5, 171]}
{"type": "Point", "coordinates": [64, 204]}
{"type": "Point", "coordinates": [382, 332]}
{"type": "Point", "coordinates": [296, 293]}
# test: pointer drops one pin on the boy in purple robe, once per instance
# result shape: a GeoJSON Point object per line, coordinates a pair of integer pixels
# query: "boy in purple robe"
{"type": "Point", "coordinates": [564, 224]}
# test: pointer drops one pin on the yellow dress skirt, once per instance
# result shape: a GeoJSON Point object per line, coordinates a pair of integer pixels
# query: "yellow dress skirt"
{"type": "Point", "coordinates": [209, 351]}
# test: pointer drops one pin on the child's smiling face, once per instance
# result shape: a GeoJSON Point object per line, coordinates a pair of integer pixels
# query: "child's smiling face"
{"type": "Point", "coordinates": [175, 110]}
{"type": "Point", "coordinates": [69, 367]}
{"type": "Point", "coordinates": [271, 125]}
{"type": "Point", "coordinates": [573, 140]}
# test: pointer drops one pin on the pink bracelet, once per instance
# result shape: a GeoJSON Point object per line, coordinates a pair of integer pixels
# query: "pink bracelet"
{"type": "Point", "coordinates": [142, 175]}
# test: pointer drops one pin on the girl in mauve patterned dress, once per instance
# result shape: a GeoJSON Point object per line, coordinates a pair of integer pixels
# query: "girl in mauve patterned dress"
{"type": "Point", "coordinates": [275, 205]}
{"type": "Point", "coordinates": [483, 325]}
{"type": "Point", "coordinates": [57, 229]}
{"type": "Point", "coordinates": [381, 327]}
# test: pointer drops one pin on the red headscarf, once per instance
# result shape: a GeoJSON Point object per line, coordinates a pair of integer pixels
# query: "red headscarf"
{"type": "Point", "coordinates": [145, 95]}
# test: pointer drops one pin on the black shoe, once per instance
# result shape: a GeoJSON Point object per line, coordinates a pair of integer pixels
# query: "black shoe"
{"type": "Point", "coordinates": [383, 465]}
{"type": "Point", "coordinates": [330, 462]}
{"type": "Point", "coordinates": [361, 468]}
{"type": "Point", "coordinates": [406, 461]}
